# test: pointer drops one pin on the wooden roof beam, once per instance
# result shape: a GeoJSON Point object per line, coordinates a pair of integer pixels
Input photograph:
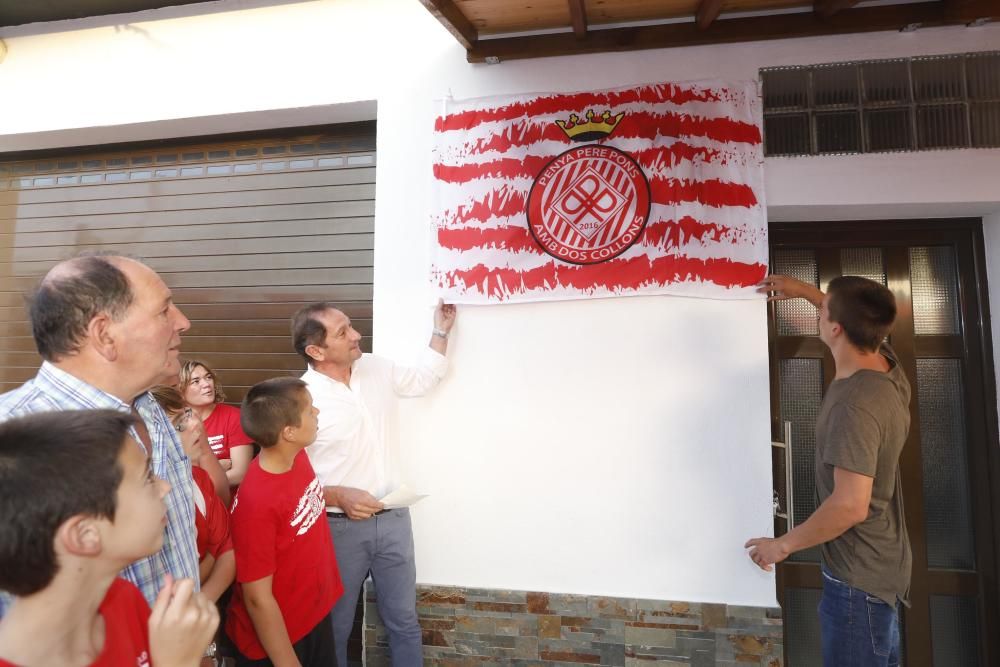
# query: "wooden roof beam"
{"type": "Point", "coordinates": [452, 18]}
{"type": "Point", "coordinates": [776, 26]}
{"type": "Point", "coordinates": [708, 11]}
{"type": "Point", "coordinates": [827, 8]}
{"type": "Point", "coordinates": [970, 10]}
{"type": "Point", "coordinates": [578, 15]}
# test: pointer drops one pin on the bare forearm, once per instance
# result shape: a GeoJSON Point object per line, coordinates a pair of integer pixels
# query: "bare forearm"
{"type": "Point", "coordinates": [439, 344]}
{"type": "Point", "coordinates": [220, 577]}
{"type": "Point", "coordinates": [240, 457]}
{"type": "Point", "coordinates": [830, 520]}
{"type": "Point", "coordinates": [331, 496]}
{"type": "Point", "coordinates": [779, 287]}
{"type": "Point", "coordinates": [355, 503]}
{"type": "Point", "coordinates": [205, 568]}
{"type": "Point", "coordinates": [814, 296]}
{"type": "Point", "coordinates": [270, 628]}
{"type": "Point", "coordinates": [211, 465]}
{"type": "Point", "coordinates": [444, 320]}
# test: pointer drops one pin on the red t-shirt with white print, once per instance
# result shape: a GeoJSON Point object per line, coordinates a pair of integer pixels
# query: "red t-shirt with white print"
{"type": "Point", "coordinates": [279, 528]}
{"type": "Point", "coordinates": [223, 430]}
{"type": "Point", "coordinates": [126, 628]}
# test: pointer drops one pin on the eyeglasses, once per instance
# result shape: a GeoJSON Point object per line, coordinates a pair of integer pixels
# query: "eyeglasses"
{"type": "Point", "coordinates": [207, 379]}
{"type": "Point", "coordinates": [181, 421]}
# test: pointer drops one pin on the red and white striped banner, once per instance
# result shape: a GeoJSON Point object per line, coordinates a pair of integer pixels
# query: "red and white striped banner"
{"type": "Point", "coordinates": [656, 189]}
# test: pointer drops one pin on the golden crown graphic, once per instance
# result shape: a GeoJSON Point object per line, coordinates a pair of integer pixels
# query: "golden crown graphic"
{"type": "Point", "coordinates": [595, 127]}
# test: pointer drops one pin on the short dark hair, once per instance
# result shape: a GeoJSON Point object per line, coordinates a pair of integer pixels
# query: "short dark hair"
{"type": "Point", "coordinates": [864, 308]}
{"type": "Point", "coordinates": [63, 305]}
{"type": "Point", "coordinates": [307, 330]}
{"type": "Point", "coordinates": [270, 406]}
{"type": "Point", "coordinates": [53, 466]}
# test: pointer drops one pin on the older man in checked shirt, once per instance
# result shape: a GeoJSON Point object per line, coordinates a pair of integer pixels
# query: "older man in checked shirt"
{"type": "Point", "coordinates": [107, 330]}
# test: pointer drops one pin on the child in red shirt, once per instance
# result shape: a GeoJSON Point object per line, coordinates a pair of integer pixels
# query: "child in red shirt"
{"type": "Point", "coordinates": [78, 502]}
{"type": "Point", "coordinates": [215, 544]}
{"type": "Point", "coordinates": [286, 570]}
{"type": "Point", "coordinates": [211, 517]}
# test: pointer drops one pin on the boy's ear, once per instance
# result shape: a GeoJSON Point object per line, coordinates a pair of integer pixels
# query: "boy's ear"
{"type": "Point", "coordinates": [100, 337]}
{"type": "Point", "coordinates": [80, 536]}
{"type": "Point", "coordinates": [288, 433]}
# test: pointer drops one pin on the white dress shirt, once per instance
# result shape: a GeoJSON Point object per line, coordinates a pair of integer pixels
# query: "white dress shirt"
{"type": "Point", "coordinates": [352, 446]}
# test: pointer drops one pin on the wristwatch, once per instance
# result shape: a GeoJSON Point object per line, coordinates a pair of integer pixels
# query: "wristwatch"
{"type": "Point", "coordinates": [440, 332]}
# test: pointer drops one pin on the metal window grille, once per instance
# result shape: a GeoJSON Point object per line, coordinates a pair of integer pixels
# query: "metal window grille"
{"type": "Point", "coordinates": [872, 106]}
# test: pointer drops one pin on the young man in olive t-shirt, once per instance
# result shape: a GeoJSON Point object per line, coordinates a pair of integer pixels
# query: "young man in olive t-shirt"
{"type": "Point", "coordinates": [860, 431]}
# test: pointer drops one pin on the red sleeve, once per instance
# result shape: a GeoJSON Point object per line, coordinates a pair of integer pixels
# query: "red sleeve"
{"type": "Point", "coordinates": [204, 482]}
{"type": "Point", "coordinates": [216, 539]}
{"type": "Point", "coordinates": [219, 538]}
{"type": "Point", "coordinates": [254, 528]}
{"type": "Point", "coordinates": [126, 621]}
{"type": "Point", "coordinates": [201, 527]}
{"type": "Point", "coordinates": [136, 601]}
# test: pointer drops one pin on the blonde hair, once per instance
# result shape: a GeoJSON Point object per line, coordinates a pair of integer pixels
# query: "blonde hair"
{"type": "Point", "coordinates": [187, 370]}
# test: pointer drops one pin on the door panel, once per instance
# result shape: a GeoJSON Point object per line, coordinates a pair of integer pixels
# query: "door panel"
{"type": "Point", "coordinates": [941, 335]}
{"type": "Point", "coordinates": [948, 508]}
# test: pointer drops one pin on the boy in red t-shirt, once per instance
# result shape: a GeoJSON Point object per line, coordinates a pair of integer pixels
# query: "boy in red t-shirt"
{"type": "Point", "coordinates": [286, 570]}
{"type": "Point", "coordinates": [79, 502]}
{"type": "Point", "coordinates": [216, 561]}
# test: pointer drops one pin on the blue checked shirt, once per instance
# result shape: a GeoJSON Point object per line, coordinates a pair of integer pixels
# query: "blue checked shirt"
{"type": "Point", "coordinates": [53, 389]}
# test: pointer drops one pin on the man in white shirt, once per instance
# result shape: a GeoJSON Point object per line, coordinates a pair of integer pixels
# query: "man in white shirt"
{"type": "Point", "coordinates": [356, 395]}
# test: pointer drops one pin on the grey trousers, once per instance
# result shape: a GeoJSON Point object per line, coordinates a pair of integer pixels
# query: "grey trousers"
{"type": "Point", "coordinates": [382, 545]}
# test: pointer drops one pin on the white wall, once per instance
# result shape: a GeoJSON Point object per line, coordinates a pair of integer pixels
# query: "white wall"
{"type": "Point", "coordinates": [614, 446]}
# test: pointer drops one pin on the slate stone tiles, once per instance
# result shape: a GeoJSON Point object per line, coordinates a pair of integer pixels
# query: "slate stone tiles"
{"type": "Point", "coordinates": [466, 627]}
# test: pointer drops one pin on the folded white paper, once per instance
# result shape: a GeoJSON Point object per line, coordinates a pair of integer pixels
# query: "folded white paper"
{"type": "Point", "coordinates": [401, 497]}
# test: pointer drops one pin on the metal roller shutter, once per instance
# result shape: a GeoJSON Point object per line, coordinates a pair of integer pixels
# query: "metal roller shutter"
{"type": "Point", "coordinates": [243, 231]}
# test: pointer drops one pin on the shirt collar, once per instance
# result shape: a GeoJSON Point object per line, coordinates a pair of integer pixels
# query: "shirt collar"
{"type": "Point", "coordinates": [82, 392]}
{"type": "Point", "coordinates": [313, 373]}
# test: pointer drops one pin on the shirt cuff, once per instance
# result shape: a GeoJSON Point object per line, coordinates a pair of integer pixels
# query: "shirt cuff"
{"type": "Point", "coordinates": [435, 362]}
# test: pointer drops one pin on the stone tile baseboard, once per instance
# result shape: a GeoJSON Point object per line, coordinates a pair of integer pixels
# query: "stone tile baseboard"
{"type": "Point", "coordinates": [474, 626]}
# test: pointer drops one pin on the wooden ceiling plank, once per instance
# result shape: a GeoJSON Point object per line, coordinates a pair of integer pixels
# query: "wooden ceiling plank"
{"type": "Point", "coordinates": [708, 11]}
{"type": "Point", "coordinates": [775, 26]}
{"type": "Point", "coordinates": [578, 15]}
{"type": "Point", "coordinates": [827, 8]}
{"type": "Point", "coordinates": [970, 10]}
{"type": "Point", "coordinates": [452, 18]}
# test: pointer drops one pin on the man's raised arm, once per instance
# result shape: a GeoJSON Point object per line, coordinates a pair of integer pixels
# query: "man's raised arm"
{"type": "Point", "coordinates": [779, 288]}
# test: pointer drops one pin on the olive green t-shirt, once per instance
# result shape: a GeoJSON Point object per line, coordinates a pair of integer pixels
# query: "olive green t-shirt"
{"type": "Point", "coordinates": [861, 427]}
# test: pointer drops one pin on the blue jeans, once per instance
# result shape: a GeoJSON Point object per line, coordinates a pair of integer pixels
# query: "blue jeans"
{"type": "Point", "coordinates": [857, 629]}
